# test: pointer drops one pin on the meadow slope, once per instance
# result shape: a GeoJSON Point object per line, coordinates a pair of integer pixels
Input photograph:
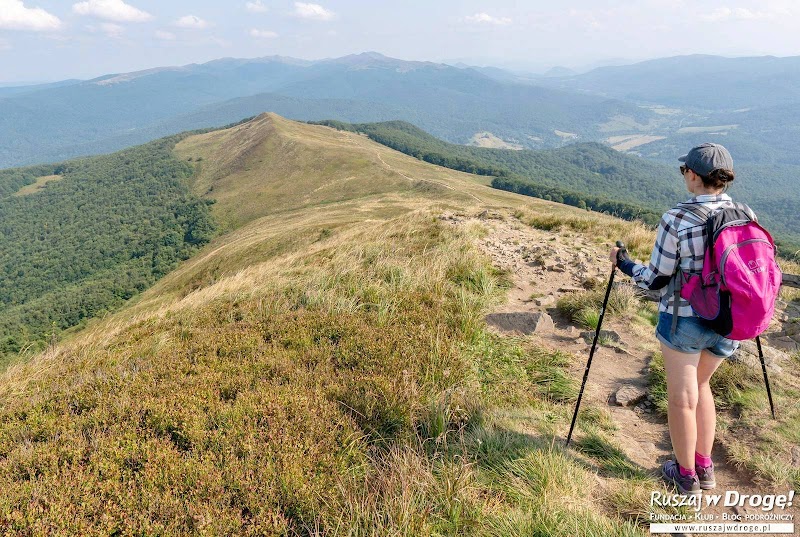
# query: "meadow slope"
{"type": "Point", "coordinates": [325, 368]}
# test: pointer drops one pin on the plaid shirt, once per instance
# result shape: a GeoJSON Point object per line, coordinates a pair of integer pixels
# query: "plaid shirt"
{"type": "Point", "coordinates": [681, 239]}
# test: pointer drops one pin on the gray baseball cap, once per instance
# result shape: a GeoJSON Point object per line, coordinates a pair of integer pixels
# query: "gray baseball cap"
{"type": "Point", "coordinates": [708, 157]}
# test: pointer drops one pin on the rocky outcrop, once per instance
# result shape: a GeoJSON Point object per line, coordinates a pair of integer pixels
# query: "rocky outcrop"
{"type": "Point", "coordinates": [523, 322]}
{"type": "Point", "coordinates": [629, 395]}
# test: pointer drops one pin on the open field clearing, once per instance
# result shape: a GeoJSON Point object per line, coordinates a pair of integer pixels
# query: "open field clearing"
{"type": "Point", "coordinates": [625, 143]}
{"type": "Point", "coordinates": [487, 139]}
{"type": "Point", "coordinates": [40, 183]}
{"type": "Point", "coordinates": [709, 129]}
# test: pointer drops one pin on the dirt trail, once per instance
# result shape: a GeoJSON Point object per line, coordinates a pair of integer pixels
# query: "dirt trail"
{"type": "Point", "coordinates": [545, 265]}
{"type": "Point", "coordinates": [355, 139]}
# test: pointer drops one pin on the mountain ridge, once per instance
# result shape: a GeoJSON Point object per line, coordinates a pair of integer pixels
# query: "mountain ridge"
{"type": "Point", "coordinates": [328, 367]}
{"type": "Point", "coordinates": [127, 107]}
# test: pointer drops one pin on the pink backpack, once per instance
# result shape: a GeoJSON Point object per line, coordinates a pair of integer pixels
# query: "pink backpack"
{"type": "Point", "coordinates": [736, 291]}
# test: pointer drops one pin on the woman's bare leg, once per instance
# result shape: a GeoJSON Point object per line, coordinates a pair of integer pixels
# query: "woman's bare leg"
{"type": "Point", "coordinates": [682, 395]}
{"type": "Point", "coordinates": [706, 411]}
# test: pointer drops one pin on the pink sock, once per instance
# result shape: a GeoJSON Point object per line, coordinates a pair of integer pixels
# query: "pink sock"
{"type": "Point", "coordinates": [686, 471]}
{"type": "Point", "coordinates": [703, 461]}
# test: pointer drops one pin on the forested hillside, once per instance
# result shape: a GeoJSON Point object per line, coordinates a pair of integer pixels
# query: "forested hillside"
{"type": "Point", "coordinates": [100, 231]}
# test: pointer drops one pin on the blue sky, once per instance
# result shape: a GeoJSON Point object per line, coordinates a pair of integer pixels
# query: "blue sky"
{"type": "Point", "coordinates": [42, 40]}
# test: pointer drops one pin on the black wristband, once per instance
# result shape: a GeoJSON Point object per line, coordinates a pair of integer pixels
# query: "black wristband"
{"type": "Point", "coordinates": [622, 256]}
{"type": "Point", "coordinates": [626, 267]}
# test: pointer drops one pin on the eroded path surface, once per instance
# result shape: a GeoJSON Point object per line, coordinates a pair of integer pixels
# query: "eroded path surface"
{"type": "Point", "coordinates": [547, 264]}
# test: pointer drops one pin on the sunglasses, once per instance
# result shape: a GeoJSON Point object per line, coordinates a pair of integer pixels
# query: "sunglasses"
{"type": "Point", "coordinates": [683, 168]}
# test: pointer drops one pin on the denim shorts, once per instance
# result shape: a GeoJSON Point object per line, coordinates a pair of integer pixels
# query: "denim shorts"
{"type": "Point", "coordinates": [691, 337]}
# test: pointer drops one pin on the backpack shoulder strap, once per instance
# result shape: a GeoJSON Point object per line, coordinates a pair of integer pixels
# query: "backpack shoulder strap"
{"type": "Point", "coordinates": [700, 211]}
{"type": "Point", "coordinates": [738, 214]}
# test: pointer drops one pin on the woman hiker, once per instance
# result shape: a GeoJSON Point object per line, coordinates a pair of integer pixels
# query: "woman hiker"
{"type": "Point", "coordinates": [692, 352]}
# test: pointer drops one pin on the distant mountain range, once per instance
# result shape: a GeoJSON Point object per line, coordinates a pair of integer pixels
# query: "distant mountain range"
{"type": "Point", "coordinates": [57, 121]}
{"type": "Point", "coordinates": [655, 109]}
{"type": "Point", "coordinates": [695, 82]}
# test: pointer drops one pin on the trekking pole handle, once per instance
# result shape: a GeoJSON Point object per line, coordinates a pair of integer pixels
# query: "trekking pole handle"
{"type": "Point", "coordinates": [622, 249]}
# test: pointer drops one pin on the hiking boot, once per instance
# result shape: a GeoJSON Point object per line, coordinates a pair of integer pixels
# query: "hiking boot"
{"type": "Point", "coordinates": [706, 477]}
{"type": "Point", "coordinates": [686, 484]}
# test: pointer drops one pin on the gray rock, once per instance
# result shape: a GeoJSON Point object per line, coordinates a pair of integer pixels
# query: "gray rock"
{"type": "Point", "coordinates": [789, 344]}
{"type": "Point", "coordinates": [648, 447]}
{"type": "Point", "coordinates": [748, 347]}
{"type": "Point", "coordinates": [542, 323]}
{"type": "Point", "coordinates": [545, 300]}
{"type": "Point", "coordinates": [748, 353]}
{"type": "Point", "coordinates": [793, 329]}
{"type": "Point", "coordinates": [523, 322]}
{"type": "Point", "coordinates": [747, 359]}
{"type": "Point", "coordinates": [629, 395]}
{"type": "Point", "coordinates": [588, 337]}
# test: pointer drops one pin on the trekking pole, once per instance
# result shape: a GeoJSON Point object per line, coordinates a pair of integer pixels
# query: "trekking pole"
{"type": "Point", "coordinates": [594, 345]}
{"type": "Point", "coordinates": [766, 380]}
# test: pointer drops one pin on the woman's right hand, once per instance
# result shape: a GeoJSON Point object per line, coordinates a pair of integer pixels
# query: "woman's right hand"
{"type": "Point", "coordinates": [614, 257]}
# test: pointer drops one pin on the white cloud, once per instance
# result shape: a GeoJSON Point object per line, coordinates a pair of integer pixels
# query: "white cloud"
{"type": "Point", "coordinates": [312, 11]}
{"type": "Point", "coordinates": [164, 35]}
{"type": "Point", "coordinates": [770, 11]}
{"type": "Point", "coordinates": [263, 34]}
{"type": "Point", "coordinates": [111, 10]}
{"type": "Point", "coordinates": [15, 16]}
{"type": "Point", "coordinates": [255, 7]}
{"type": "Point", "coordinates": [485, 18]}
{"type": "Point", "coordinates": [588, 19]}
{"type": "Point", "coordinates": [224, 43]}
{"type": "Point", "coordinates": [190, 21]}
{"type": "Point", "coordinates": [111, 29]}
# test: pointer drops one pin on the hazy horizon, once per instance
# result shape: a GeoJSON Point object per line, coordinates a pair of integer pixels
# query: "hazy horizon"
{"type": "Point", "coordinates": [47, 41]}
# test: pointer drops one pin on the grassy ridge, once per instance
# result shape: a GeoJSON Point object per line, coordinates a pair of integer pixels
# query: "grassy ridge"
{"type": "Point", "coordinates": [322, 370]}
{"type": "Point", "coordinates": [348, 392]}
{"type": "Point", "coordinates": [571, 175]}
{"type": "Point", "coordinates": [589, 175]}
